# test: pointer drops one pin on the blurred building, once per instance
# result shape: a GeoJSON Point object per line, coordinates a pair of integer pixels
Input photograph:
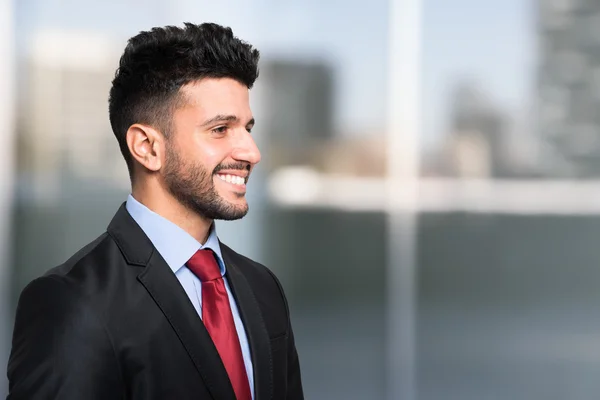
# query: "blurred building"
{"type": "Point", "coordinates": [63, 119]}
{"type": "Point", "coordinates": [477, 143]}
{"type": "Point", "coordinates": [569, 86]}
{"type": "Point", "coordinates": [299, 108]}
{"type": "Point", "coordinates": [297, 100]}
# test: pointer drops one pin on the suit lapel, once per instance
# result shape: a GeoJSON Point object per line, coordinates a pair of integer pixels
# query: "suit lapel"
{"type": "Point", "coordinates": [254, 324]}
{"type": "Point", "coordinates": [166, 291]}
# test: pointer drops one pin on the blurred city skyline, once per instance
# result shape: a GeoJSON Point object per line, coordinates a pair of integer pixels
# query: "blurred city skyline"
{"type": "Point", "coordinates": [465, 39]}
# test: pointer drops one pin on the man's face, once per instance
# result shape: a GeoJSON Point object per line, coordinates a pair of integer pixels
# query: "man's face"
{"type": "Point", "coordinates": [210, 153]}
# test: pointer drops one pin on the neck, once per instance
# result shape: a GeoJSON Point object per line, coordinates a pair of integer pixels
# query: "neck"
{"type": "Point", "coordinates": [165, 205]}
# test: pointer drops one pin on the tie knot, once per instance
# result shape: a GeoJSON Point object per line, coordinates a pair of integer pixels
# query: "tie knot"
{"type": "Point", "coordinates": [204, 265]}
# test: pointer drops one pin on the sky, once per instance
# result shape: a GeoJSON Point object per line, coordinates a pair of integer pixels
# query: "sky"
{"type": "Point", "coordinates": [490, 41]}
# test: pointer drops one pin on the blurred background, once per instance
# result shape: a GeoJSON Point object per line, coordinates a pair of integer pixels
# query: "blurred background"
{"type": "Point", "coordinates": [429, 193]}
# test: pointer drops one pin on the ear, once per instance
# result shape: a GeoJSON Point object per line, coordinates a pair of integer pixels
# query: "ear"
{"type": "Point", "coordinates": [146, 146]}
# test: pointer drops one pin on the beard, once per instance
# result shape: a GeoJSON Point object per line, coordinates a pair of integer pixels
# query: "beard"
{"type": "Point", "coordinates": [193, 186]}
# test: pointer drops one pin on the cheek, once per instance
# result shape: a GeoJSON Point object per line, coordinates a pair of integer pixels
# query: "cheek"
{"type": "Point", "coordinates": [211, 154]}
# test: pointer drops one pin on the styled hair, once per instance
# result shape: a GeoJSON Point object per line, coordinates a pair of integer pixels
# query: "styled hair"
{"type": "Point", "coordinates": [157, 63]}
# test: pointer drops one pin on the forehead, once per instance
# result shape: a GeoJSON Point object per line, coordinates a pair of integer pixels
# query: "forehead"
{"type": "Point", "coordinates": [212, 96]}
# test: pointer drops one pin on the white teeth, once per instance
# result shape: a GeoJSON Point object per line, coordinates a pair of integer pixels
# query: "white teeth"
{"type": "Point", "coordinates": [236, 180]}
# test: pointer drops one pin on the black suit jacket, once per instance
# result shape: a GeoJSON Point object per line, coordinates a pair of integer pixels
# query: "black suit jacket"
{"type": "Point", "coordinates": [113, 322]}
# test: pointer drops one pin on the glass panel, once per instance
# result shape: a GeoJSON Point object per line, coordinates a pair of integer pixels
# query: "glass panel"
{"type": "Point", "coordinates": [506, 255]}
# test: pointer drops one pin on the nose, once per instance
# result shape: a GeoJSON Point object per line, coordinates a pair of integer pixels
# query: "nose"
{"type": "Point", "coordinates": [245, 149]}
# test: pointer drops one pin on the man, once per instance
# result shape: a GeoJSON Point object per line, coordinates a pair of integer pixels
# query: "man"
{"type": "Point", "coordinates": [157, 307]}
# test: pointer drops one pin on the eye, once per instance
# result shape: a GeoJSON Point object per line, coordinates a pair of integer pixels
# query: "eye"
{"type": "Point", "coordinates": [220, 129]}
{"type": "Point", "coordinates": [249, 129]}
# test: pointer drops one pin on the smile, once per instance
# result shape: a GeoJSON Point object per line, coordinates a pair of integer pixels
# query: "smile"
{"type": "Point", "coordinates": [236, 180]}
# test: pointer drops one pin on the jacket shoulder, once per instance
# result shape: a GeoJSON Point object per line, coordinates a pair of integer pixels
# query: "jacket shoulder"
{"type": "Point", "coordinates": [82, 256]}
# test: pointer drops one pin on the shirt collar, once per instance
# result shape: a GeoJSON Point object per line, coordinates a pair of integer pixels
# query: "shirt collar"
{"type": "Point", "coordinates": [174, 244]}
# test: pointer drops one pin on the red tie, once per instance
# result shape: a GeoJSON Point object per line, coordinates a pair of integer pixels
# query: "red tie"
{"type": "Point", "coordinates": [218, 319]}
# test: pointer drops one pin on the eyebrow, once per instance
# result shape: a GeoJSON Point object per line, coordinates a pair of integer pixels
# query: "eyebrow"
{"type": "Point", "coordinates": [224, 118]}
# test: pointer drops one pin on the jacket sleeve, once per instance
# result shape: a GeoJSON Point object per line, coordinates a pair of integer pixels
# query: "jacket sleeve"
{"type": "Point", "coordinates": [60, 349]}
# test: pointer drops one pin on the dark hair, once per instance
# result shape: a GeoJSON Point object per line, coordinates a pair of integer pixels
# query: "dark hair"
{"type": "Point", "coordinates": [157, 63]}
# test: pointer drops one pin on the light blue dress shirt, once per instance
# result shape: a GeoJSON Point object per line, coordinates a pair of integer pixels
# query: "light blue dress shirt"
{"type": "Point", "coordinates": [177, 246]}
